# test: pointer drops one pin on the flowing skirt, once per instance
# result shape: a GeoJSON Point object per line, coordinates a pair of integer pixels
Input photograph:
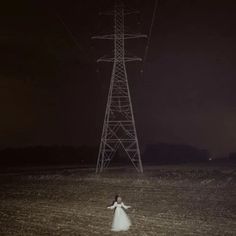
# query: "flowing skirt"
{"type": "Point", "coordinates": [121, 221]}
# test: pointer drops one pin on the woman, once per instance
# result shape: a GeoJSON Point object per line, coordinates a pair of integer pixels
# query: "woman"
{"type": "Point", "coordinates": [121, 221]}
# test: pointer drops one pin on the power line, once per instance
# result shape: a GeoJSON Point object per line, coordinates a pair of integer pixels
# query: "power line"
{"type": "Point", "coordinates": [74, 39]}
{"type": "Point", "coordinates": [150, 33]}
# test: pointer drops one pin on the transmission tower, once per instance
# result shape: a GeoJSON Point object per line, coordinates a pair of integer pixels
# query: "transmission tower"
{"type": "Point", "coordinates": [119, 129]}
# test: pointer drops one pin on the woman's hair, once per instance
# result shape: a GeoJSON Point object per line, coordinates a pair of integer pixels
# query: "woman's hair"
{"type": "Point", "coordinates": [116, 197]}
{"type": "Point", "coordinates": [119, 197]}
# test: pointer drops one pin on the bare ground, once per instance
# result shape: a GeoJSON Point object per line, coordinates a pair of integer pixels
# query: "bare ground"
{"type": "Point", "coordinates": [165, 201]}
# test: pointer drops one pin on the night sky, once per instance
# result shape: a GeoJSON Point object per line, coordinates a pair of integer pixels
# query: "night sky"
{"type": "Point", "coordinates": [54, 93]}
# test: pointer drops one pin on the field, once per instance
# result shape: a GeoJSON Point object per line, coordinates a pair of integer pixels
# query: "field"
{"type": "Point", "coordinates": [165, 200]}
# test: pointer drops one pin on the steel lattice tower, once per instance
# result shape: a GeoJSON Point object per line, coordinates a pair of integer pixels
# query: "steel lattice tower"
{"type": "Point", "coordinates": [119, 129]}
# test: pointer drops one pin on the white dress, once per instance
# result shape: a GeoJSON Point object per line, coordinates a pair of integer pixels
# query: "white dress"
{"type": "Point", "coordinates": [121, 221]}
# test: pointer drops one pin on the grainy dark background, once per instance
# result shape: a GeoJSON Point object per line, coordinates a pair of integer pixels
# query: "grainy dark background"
{"type": "Point", "coordinates": [53, 92]}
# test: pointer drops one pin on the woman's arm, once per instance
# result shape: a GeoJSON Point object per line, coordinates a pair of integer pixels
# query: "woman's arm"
{"type": "Point", "coordinates": [126, 207]}
{"type": "Point", "coordinates": [113, 206]}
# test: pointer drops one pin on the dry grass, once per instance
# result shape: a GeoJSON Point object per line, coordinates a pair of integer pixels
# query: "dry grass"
{"type": "Point", "coordinates": [165, 201]}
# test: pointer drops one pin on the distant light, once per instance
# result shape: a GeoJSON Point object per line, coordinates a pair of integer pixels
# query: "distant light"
{"type": "Point", "coordinates": [210, 159]}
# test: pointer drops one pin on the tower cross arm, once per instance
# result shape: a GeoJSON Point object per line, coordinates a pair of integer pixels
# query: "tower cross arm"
{"type": "Point", "coordinates": [112, 59]}
{"type": "Point", "coordinates": [133, 36]}
{"type": "Point", "coordinates": [127, 59]}
{"type": "Point", "coordinates": [107, 36]}
{"type": "Point", "coordinates": [126, 12]}
{"type": "Point", "coordinates": [121, 36]}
